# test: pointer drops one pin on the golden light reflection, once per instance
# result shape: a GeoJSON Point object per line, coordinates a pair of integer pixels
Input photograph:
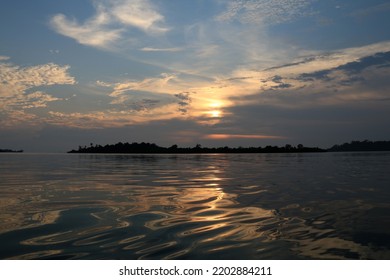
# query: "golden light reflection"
{"type": "Point", "coordinates": [196, 206]}
{"type": "Point", "coordinates": [206, 209]}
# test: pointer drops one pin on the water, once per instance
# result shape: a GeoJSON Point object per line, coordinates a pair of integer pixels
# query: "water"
{"type": "Point", "coordinates": [236, 206]}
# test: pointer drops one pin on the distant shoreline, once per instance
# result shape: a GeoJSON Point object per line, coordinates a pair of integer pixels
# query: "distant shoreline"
{"type": "Point", "coordinates": [151, 148]}
{"type": "Point", "coordinates": [10, 151]}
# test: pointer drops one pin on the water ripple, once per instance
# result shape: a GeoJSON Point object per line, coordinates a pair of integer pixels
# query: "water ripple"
{"type": "Point", "coordinates": [192, 207]}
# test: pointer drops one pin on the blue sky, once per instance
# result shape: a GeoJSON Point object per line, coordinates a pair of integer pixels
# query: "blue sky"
{"type": "Point", "coordinates": [214, 72]}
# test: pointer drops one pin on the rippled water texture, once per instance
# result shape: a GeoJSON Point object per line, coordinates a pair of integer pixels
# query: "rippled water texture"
{"type": "Point", "coordinates": [241, 206]}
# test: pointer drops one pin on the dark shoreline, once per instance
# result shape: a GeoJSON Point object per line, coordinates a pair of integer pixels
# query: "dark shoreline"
{"type": "Point", "coordinates": [148, 148]}
{"type": "Point", "coordinates": [10, 151]}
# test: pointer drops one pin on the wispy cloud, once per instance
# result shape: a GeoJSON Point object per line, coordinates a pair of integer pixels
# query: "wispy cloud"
{"type": "Point", "coordinates": [148, 95]}
{"type": "Point", "coordinates": [313, 61]}
{"type": "Point", "coordinates": [340, 77]}
{"type": "Point", "coordinates": [111, 21]}
{"type": "Point", "coordinates": [158, 84]}
{"type": "Point", "coordinates": [109, 118]}
{"type": "Point", "coordinates": [150, 49]}
{"type": "Point", "coordinates": [93, 32]}
{"type": "Point", "coordinates": [138, 13]}
{"type": "Point", "coordinates": [266, 12]}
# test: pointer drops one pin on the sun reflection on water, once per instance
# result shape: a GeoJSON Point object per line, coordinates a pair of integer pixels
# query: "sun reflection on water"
{"type": "Point", "coordinates": [162, 207]}
{"type": "Point", "coordinates": [197, 209]}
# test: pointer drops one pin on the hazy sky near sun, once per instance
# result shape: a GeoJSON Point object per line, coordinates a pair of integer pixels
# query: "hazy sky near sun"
{"type": "Point", "coordinates": [214, 72]}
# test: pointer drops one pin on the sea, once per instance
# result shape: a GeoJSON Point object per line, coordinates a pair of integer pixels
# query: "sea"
{"type": "Point", "coordinates": [195, 206]}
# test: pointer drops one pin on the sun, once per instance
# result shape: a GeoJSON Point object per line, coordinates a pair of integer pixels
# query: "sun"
{"type": "Point", "coordinates": [215, 113]}
{"type": "Point", "coordinates": [214, 110]}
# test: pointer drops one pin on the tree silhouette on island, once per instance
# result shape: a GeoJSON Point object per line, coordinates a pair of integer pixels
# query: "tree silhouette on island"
{"type": "Point", "coordinates": [10, 151]}
{"type": "Point", "coordinates": [151, 148]}
{"type": "Point", "coordinates": [362, 146]}
{"type": "Point", "coordinates": [146, 148]}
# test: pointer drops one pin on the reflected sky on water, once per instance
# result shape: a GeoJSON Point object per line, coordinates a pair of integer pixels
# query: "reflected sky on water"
{"type": "Point", "coordinates": [252, 206]}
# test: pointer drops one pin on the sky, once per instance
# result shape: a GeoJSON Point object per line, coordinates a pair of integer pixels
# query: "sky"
{"type": "Point", "coordinates": [186, 72]}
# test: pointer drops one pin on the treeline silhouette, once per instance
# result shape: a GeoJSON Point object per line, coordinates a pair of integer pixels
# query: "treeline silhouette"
{"type": "Point", "coordinates": [361, 146]}
{"type": "Point", "coordinates": [145, 148]}
{"type": "Point", "coordinates": [151, 148]}
{"type": "Point", "coordinates": [10, 151]}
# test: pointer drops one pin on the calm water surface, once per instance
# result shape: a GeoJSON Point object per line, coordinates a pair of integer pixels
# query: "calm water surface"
{"type": "Point", "coordinates": [239, 206]}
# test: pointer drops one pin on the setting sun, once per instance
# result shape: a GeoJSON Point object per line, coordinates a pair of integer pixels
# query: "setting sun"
{"type": "Point", "coordinates": [216, 114]}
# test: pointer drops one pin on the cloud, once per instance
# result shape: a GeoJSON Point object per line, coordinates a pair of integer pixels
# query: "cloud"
{"type": "Point", "coordinates": [115, 117]}
{"type": "Point", "coordinates": [36, 99]}
{"type": "Point", "coordinates": [184, 101]}
{"type": "Point", "coordinates": [111, 21]}
{"type": "Point", "coordinates": [149, 49]}
{"type": "Point", "coordinates": [265, 12]}
{"type": "Point", "coordinates": [17, 86]}
{"type": "Point", "coordinates": [148, 95]}
{"type": "Point", "coordinates": [22, 78]}
{"type": "Point", "coordinates": [314, 66]}
{"type": "Point", "coordinates": [349, 76]}
{"type": "Point", "coordinates": [381, 60]}
{"type": "Point", "coordinates": [316, 61]}
{"type": "Point", "coordinates": [138, 13]}
{"type": "Point", "coordinates": [350, 72]}
{"type": "Point", "coordinates": [275, 82]}
{"type": "Point", "coordinates": [17, 80]}
{"type": "Point", "coordinates": [92, 32]}
{"type": "Point", "coordinates": [160, 84]}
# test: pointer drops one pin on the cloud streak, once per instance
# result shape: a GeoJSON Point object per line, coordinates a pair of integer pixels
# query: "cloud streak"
{"type": "Point", "coordinates": [160, 84]}
{"type": "Point", "coordinates": [150, 49]}
{"type": "Point", "coordinates": [109, 118]}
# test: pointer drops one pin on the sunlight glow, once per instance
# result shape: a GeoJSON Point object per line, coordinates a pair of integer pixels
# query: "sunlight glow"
{"type": "Point", "coordinates": [216, 111]}
{"type": "Point", "coordinates": [216, 104]}
{"type": "Point", "coordinates": [240, 136]}
{"type": "Point", "coordinates": [216, 114]}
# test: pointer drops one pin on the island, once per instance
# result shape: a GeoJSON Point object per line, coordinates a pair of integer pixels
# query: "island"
{"type": "Point", "coordinates": [362, 146]}
{"type": "Point", "coordinates": [10, 151]}
{"type": "Point", "coordinates": [151, 148]}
